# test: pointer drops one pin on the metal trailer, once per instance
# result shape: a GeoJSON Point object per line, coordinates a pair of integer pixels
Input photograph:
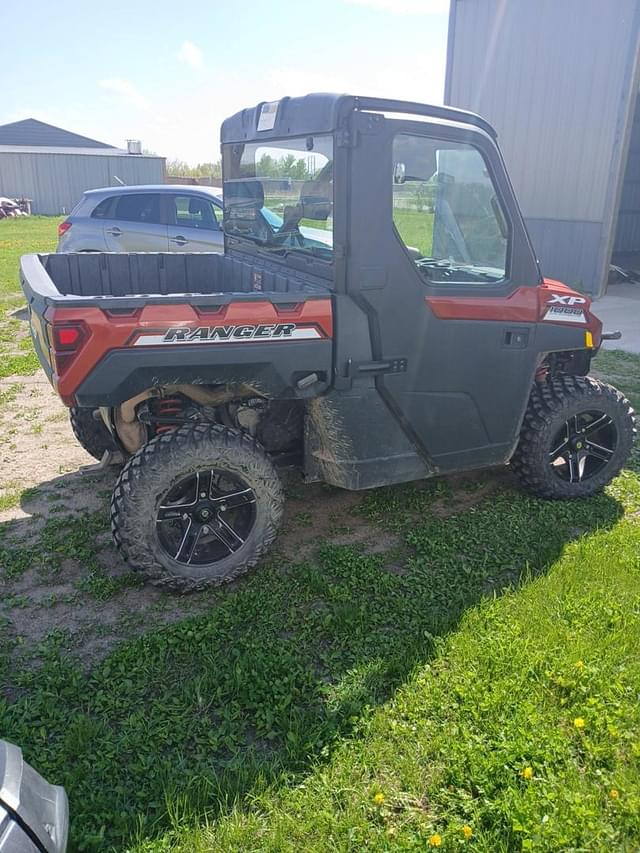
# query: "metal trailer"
{"type": "Point", "coordinates": [559, 82]}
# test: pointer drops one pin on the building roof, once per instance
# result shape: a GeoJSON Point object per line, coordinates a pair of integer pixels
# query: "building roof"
{"type": "Point", "coordinates": [33, 133]}
{"type": "Point", "coordinates": [94, 152]}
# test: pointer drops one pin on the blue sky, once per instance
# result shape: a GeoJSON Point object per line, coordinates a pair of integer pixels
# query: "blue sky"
{"type": "Point", "coordinates": [169, 72]}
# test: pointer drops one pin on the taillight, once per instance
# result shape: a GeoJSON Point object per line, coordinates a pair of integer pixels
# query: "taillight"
{"type": "Point", "coordinates": [65, 342]}
{"type": "Point", "coordinates": [63, 227]}
{"type": "Point", "coordinates": [67, 337]}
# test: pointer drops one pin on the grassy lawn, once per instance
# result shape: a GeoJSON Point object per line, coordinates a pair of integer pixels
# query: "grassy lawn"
{"type": "Point", "coordinates": [416, 229]}
{"type": "Point", "coordinates": [18, 237]}
{"type": "Point", "coordinates": [469, 683]}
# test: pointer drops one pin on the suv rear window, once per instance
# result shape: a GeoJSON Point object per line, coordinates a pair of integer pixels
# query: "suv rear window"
{"type": "Point", "coordinates": [103, 210]}
{"type": "Point", "coordinates": [134, 207]}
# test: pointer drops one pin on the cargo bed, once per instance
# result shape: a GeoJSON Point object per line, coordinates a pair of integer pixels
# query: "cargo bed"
{"type": "Point", "coordinates": [139, 320]}
{"type": "Point", "coordinates": [142, 276]}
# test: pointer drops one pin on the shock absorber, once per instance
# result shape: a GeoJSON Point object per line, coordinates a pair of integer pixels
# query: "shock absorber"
{"type": "Point", "coordinates": [167, 407]}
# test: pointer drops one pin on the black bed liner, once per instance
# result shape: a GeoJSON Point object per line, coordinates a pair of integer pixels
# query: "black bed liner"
{"type": "Point", "coordinates": [112, 274]}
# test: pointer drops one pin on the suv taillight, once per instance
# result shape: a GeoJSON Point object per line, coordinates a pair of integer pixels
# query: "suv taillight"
{"type": "Point", "coordinates": [63, 227]}
{"type": "Point", "coordinates": [65, 342]}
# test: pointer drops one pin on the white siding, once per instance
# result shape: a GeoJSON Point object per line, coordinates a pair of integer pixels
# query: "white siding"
{"type": "Point", "coordinates": [55, 182]}
{"type": "Point", "coordinates": [557, 78]}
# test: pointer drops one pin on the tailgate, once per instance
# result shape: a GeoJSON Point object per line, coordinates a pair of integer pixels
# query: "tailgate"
{"type": "Point", "coordinates": [100, 350]}
{"type": "Point", "coordinates": [283, 348]}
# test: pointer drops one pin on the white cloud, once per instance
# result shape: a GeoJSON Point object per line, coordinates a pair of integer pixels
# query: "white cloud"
{"type": "Point", "coordinates": [406, 7]}
{"type": "Point", "coordinates": [191, 55]}
{"type": "Point", "coordinates": [126, 90]}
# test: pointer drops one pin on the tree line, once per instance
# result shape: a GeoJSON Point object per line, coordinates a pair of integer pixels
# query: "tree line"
{"type": "Point", "coordinates": [288, 166]}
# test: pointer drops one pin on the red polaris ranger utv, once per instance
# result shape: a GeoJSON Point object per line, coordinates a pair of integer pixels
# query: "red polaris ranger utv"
{"type": "Point", "coordinates": [378, 316]}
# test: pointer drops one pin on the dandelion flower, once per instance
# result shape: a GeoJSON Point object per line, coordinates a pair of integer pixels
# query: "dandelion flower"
{"type": "Point", "coordinates": [579, 664]}
{"type": "Point", "coordinates": [614, 793]}
{"type": "Point", "coordinates": [527, 773]}
{"type": "Point", "coordinates": [579, 722]}
{"type": "Point", "coordinates": [467, 831]}
{"type": "Point", "coordinates": [378, 799]}
{"type": "Point", "coordinates": [435, 840]}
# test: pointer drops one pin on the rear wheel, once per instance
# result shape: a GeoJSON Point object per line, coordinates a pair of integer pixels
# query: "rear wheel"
{"type": "Point", "coordinates": [92, 434]}
{"type": "Point", "coordinates": [576, 436]}
{"type": "Point", "coordinates": [197, 506]}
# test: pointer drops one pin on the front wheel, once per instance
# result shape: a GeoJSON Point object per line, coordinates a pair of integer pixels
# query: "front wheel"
{"type": "Point", "coordinates": [576, 436]}
{"type": "Point", "coordinates": [196, 507]}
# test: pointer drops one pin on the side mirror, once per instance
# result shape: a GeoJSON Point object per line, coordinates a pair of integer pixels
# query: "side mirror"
{"type": "Point", "coordinates": [242, 199]}
{"type": "Point", "coordinates": [399, 173]}
{"type": "Point", "coordinates": [33, 813]}
{"type": "Point", "coordinates": [315, 207]}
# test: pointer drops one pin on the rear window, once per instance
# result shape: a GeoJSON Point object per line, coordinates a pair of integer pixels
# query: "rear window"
{"type": "Point", "coordinates": [142, 207]}
{"type": "Point", "coordinates": [103, 210]}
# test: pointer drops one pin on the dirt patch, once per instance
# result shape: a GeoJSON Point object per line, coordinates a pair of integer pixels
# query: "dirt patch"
{"type": "Point", "coordinates": [59, 571]}
{"type": "Point", "coordinates": [40, 459]}
{"type": "Point", "coordinates": [317, 514]}
{"type": "Point", "coordinates": [468, 490]}
{"type": "Point", "coordinates": [93, 603]}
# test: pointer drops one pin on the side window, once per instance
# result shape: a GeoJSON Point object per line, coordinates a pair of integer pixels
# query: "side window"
{"type": "Point", "coordinates": [193, 211]}
{"type": "Point", "coordinates": [103, 210]}
{"type": "Point", "coordinates": [447, 212]}
{"type": "Point", "coordinates": [142, 207]}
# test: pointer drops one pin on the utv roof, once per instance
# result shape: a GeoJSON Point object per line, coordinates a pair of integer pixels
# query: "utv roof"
{"type": "Point", "coordinates": [324, 112]}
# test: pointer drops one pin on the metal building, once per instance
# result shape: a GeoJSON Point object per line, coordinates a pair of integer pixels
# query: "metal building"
{"type": "Point", "coordinates": [53, 167]}
{"type": "Point", "coordinates": [559, 81]}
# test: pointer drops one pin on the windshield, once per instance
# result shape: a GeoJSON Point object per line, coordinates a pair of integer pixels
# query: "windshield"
{"type": "Point", "coordinates": [446, 211]}
{"type": "Point", "coordinates": [278, 196]}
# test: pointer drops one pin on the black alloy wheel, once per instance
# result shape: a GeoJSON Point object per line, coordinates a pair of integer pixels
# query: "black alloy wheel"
{"type": "Point", "coordinates": [576, 435]}
{"type": "Point", "coordinates": [584, 446]}
{"type": "Point", "coordinates": [196, 506]}
{"type": "Point", "coordinates": [206, 517]}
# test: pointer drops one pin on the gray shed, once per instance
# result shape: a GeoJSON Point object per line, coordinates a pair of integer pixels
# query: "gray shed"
{"type": "Point", "coordinates": [559, 81]}
{"type": "Point", "coordinates": [53, 167]}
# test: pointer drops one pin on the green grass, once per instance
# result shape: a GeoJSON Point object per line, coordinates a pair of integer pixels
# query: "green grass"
{"type": "Point", "coordinates": [501, 701]}
{"type": "Point", "coordinates": [272, 721]}
{"type": "Point", "coordinates": [416, 229]}
{"type": "Point", "coordinates": [622, 369]}
{"type": "Point", "coordinates": [352, 702]}
{"type": "Point", "coordinates": [18, 237]}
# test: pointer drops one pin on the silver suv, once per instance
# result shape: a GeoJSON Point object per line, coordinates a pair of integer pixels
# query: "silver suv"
{"type": "Point", "coordinates": [162, 218]}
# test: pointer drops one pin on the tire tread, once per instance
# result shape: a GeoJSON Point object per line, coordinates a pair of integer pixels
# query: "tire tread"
{"type": "Point", "coordinates": [547, 401]}
{"type": "Point", "coordinates": [164, 451]}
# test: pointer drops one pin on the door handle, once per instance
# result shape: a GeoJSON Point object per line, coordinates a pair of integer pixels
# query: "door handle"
{"type": "Point", "coordinates": [115, 232]}
{"type": "Point", "coordinates": [181, 241]}
{"type": "Point", "coordinates": [516, 338]}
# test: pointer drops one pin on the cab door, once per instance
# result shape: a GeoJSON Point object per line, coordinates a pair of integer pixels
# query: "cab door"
{"type": "Point", "coordinates": [440, 261]}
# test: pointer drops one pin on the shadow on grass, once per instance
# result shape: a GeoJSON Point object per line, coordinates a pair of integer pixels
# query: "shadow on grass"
{"type": "Point", "coordinates": [260, 687]}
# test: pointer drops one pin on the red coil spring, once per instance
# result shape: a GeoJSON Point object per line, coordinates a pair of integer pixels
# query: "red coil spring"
{"type": "Point", "coordinates": [542, 372]}
{"type": "Point", "coordinates": [165, 407]}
